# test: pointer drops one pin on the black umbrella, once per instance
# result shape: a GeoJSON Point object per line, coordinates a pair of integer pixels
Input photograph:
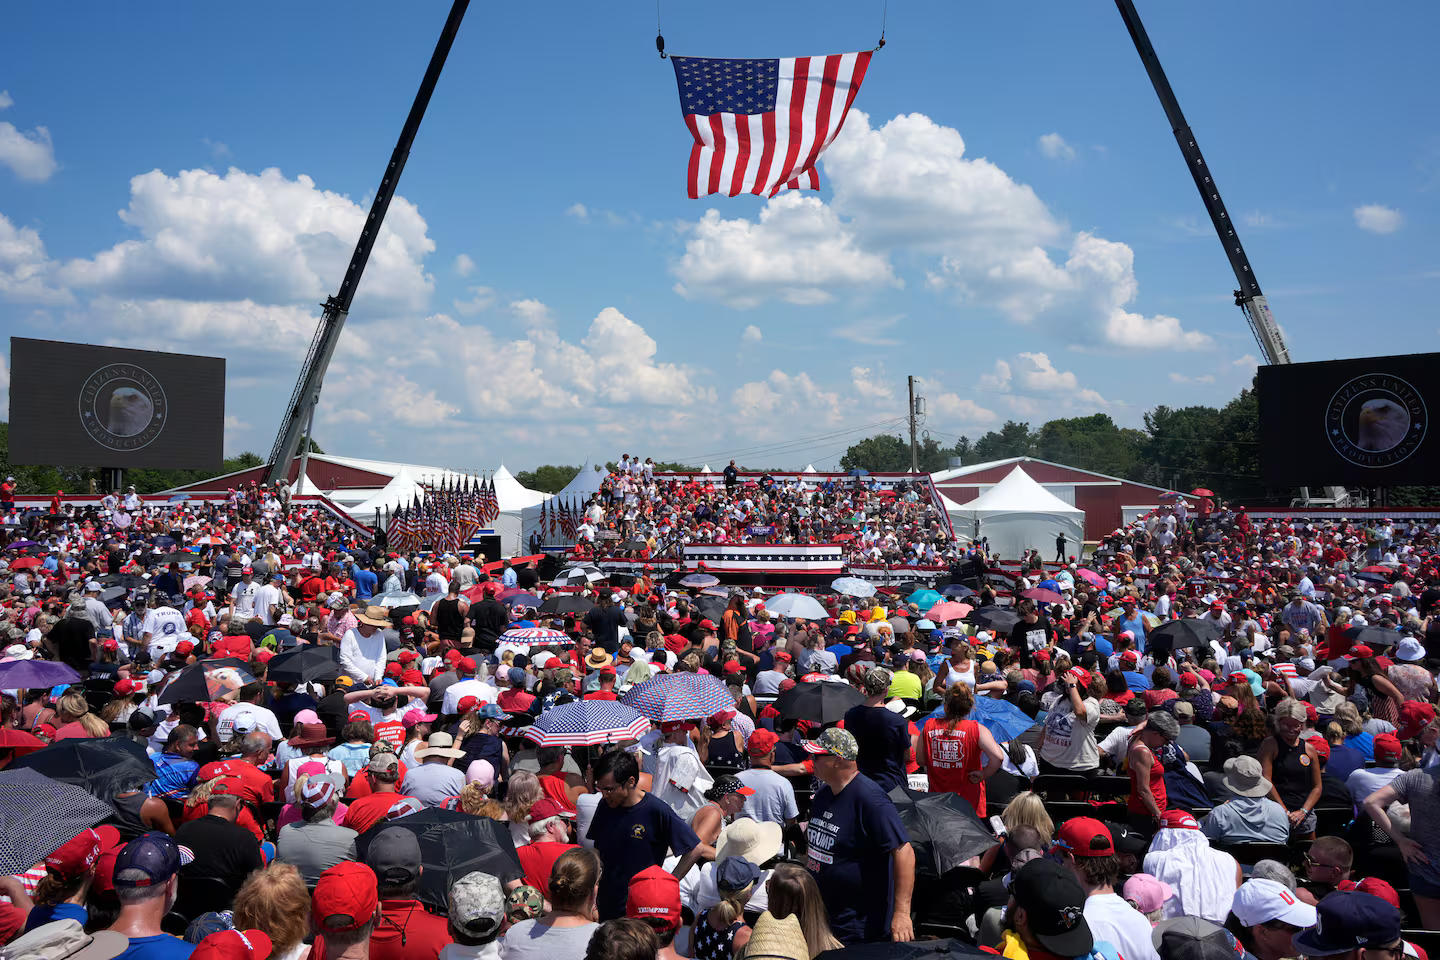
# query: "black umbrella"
{"type": "Point", "coordinates": [452, 844]}
{"type": "Point", "coordinates": [995, 619]}
{"type": "Point", "coordinates": [127, 580]}
{"type": "Point", "coordinates": [180, 558]}
{"type": "Point", "coordinates": [943, 828]}
{"type": "Point", "coordinates": [917, 950]}
{"type": "Point", "coordinates": [306, 663]}
{"type": "Point", "coordinates": [820, 702]}
{"type": "Point", "coordinates": [1373, 636]}
{"type": "Point", "coordinates": [25, 838]}
{"type": "Point", "coordinates": [1183, 634]}
{"type": "Point", "coordinates": [957, 591]}
{"type": "Point", "coordinates": [561, 604]}
{"type": "Point", "coordinates": [105, 767]}
{"type": "Point", "coordinates": [112, 593]}
{"type": "Point", "coordinates": [633, 545]}
{"type": "Point", "coordinates": [711, 608]}
{"type": "Point", "coordinates": [1372, 577]}
{"type": "Point", "coordinates": [204, 681]}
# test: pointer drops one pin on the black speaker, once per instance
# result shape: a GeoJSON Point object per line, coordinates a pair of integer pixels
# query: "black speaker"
{"type": "Point", "coordinates": [550, 568]}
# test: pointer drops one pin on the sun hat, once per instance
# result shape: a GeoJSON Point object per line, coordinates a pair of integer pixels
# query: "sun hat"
{"type": "Point", "coordinates": [1244, 777]}
{"type": "Point", "coordinates": [375, 617]}
{"type": "Point", "coordinates": [312, 735]}
{"type": "Point", "coordinates": [1259, 900]}
{"type": "Point", "coordinates": [773, 939]}
{"type": "Point", "coordinates": [1410, 650]}
{"type": "Point", "coordinates": [439, 745]}
{"type": "Point", "coordinates": [755, 840]}
{"type": "Point", "coordinates": [67, 940]}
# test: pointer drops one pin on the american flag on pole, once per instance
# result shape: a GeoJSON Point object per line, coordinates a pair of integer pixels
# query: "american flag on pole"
{"type": "Point", "coordinates": [760, 125]}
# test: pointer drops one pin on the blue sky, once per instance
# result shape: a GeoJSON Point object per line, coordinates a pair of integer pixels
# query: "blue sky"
{"type": "Point", "coordinates": [1005, 216]}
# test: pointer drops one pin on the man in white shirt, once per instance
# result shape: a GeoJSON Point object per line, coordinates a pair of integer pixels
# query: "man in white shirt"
{"type": "Point", "coordinates": [229, 725]}
{"type": "Point", "coordinates": [268, 600]}
{"type": "Point", "coordinates": [680, 779]}
{"type": "Point", "coordinates": [1090, 854]}
{"type": "Point", "coordinates": [466, 686]}
{"type": "Point", "coordinates": [243, 596]}
{"type": "Point", "coordinates": [163, 628]}
{"type": "Point", "coordinates": [362, 649]}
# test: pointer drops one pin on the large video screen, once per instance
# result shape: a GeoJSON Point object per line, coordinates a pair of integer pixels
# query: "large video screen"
{"type": "Point", "coordinates": [1350, 422]}
{"type": "Point", "coordinates": [79, 405]}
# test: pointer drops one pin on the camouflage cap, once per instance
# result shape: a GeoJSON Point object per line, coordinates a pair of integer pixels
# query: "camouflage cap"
{"type": "Point", "coordinates": [524, 903]}
{"type": "Point", "coordinates": [836, 743]}
{"type": "Point", "coordinates": [477, 904]}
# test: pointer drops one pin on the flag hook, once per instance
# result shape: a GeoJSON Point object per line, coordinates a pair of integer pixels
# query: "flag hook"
{"type": "Point", "coordinates": [884, 16]}
{"type": "Point", "coordinates": [659, 37]}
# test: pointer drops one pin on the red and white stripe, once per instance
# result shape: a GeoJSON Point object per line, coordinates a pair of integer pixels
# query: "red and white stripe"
{"type": "Point", "coordinates": [764, 153]}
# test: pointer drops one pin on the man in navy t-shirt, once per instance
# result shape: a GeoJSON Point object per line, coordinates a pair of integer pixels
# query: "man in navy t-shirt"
{"type": "Point", "coordinates": [633, 831]}
{"type": "Point", "coordinates": [858, 850]}
{"type": "Point", "coordinates": [883, 737]}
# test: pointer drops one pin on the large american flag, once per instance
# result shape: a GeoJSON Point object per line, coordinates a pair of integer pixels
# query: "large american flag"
{"type": "Point", "coordinates": [759, 125]}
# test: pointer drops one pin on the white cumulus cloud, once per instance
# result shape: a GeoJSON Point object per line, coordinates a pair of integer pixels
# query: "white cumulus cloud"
{"type": "Point", "coordinates": [1378, 218]}
{"type": "Point", "coordinates": [464, 265]}
{"type": "Point", "coordinates": [1192, 378]}
{"type": "Point", "coordinates": [751, 334]}
{"type": "Point", "coordinates": [1040, 374]}
{"type": "Point", "coordinates": [1054, 146]}
{"type": "Point", "coordinates": [6, 101]}
{"type": "Point", "coordinates": [30, 156]}
{"type": "Point", "coordinates": [262, 237]}
{"type": "Point", "coordinates": [797, 251]}
{"type": "Point", "coordinates": [25, 267]}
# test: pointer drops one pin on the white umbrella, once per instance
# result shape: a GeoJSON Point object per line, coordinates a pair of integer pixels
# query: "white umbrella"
{"type": "Point", "coordinates": [397, 598]}
{"type": "Point", "coordinates": [853, 587]}
{"type": "Point", "coordinates": [792, 605]}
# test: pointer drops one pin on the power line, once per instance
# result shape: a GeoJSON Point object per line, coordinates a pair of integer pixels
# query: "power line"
{"type": "Point", "coordinates": [766, 447]}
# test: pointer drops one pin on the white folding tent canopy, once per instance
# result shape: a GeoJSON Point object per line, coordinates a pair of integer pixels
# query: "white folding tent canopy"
{"type": "Point", "coordinates": [1016, 515]}
{"type": "Point", "coordinates": [581, 488]}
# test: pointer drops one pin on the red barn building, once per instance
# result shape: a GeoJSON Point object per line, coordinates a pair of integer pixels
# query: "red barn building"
{"type": "Point", "coordinates": [1107, 501]}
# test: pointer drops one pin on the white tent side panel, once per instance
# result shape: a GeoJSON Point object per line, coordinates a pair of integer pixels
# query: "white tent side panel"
{"type": "Point", "coordinates": [1016, 515]}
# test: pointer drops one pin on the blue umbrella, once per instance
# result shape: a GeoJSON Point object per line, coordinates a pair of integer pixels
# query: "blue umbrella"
{"type": "Point", "coordinates": [924, 599]}
{"type": "Point", "coordinates": [179, 498]}
{"type": "Point", "coordinates": [588, 722]}
{"type": "Point", "coordinates": [858, 472]}
{"type": "Point", "coordinates": [1003, 719]}
{"type": "Point", "coordinates": [521, 600]}
{"type": "Point", "coordinates": [21, 674]}
{"type": "Point", "coordinates": [1050, 583]}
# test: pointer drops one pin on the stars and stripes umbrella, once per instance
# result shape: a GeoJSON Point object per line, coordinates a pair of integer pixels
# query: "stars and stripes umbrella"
{"type": "Point", "coordinates": [1093, 578]}
{"type": "Point", "coordinates": [529, 635]}
{"type": "Point", "coordinates": [698, 580]}
{"type": "Point", "coordinates": [853, 587]}
{"type": "Point", "coordinates": [793, 605]}
{"type": "Point", "coordinates": [26, 839]}
{"type": "Point", "coordinates": [679, 696]}
{"type": "Point", "coordinates": [583, 723]}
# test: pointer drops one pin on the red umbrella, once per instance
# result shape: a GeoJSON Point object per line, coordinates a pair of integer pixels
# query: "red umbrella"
{"type": "Point", "coordinates": [1041, 595]}
{"type": "Point", "coordinates": [1202, 492]}
{"type": "Point", "coordinates": [1092, 578]}
{"type": "Point", "coordinates": [16, 743]}
{"type": "Point", "coordinates": [25, 563]}
{"type": "Point", "coordinates": [1378, 569]}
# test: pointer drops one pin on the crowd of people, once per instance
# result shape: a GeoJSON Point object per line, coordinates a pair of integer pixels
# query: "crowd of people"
{"type": "Point", "coordinates": [1215, 735]}
{"type": "Point", "coordinates": [643, 514]}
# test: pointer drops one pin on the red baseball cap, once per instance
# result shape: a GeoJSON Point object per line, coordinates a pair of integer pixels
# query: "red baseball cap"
{"type": "Point", "coordinates": [1085, 837]}
{"type": "Point", "coordinates": [1188, 679]}
{"type": "Point", "coordinates": [782, 655]}
{"type": "Point", "coordinates": [393, 669]}
{"type": "Point", "coordinates": [1321, 745]}
{"type": "Point", "coordinates": [1373, 886]}
{"type": "Point", "coordinates": [1387, 746]}
{"type": "Point", "coordinates": [1081, 675]}
{"type": "Point", "coordinates": [1359, 652]}
{"type": "Point", "coordinates": [345, 897]}
{"type": "Point", "coordinates": [452, 656]}
{"type": "Point", "coordinates": [185, 647]}
{"type": "Point", "coordinates": [734, 667]}
{"type": "Point", "coordinates": [124, 687]}
{"type": "Point", "coordinates": [467, 663]}
{"type": "Point", "coordinates": [544, 809]}
{"type": "Point", "coordinates": [406, 656]}
{"type": "Point", "coordinates": [655, 896]}
{"type": "Point", "coordinates": [670, 726]}
{"type": "Point", "coordinates": [77, 855]}
{"type": "Point", "coordinates": [1041, 656]}
{"type": "Point", "coordinates": [358, 715]}
{"type": "Point", "coordinates": [264, 656]}
{"type": "Point", "coordinates": [1130, 656]}
{"type": "Point", "coordinates": [721, 716]}
{"type": "Point", "coordinates": [1178, 820]}
{"type": "Point", "coordinates": [1414, 715]}
{"type": "Point", "coordinates": [707, 624]}
{"type": "Point", "coordinates": [412, 678]}
{"type": "Point", "coordinates": [762, 741]}
{"type": "Point", "coordinates": [234, 945]}
{"type": "Point", "coordinates": [467, 704]}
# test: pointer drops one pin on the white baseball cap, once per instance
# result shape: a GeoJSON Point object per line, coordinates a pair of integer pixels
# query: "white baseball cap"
{"type": "Point", "coordinates": [1260, 901]}
{"type": "Point", "coordinates": [1410, 650]}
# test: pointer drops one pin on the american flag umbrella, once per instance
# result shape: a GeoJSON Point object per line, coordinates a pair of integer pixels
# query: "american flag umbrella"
{"type": "Point", "coordinates": [196, 580]}
{"type": "Point", "coordinates": [583, 723]}
{"type": "Point", "coordinates": [679, 696]}
{"type": "Point", "coordinates": [524, 635]}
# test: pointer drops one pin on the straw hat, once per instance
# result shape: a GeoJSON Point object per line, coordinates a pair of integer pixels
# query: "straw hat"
{"type": "Point", "coordinates": [598, 659]}
{"type": "Point", "coordinates": [751, 840]}
{"type": "Point", "coordinates": [439, 745]}
{"type": "Point", "coordinates": [776, 940]}
{"type": "Point", "coordinates": [375, 617]}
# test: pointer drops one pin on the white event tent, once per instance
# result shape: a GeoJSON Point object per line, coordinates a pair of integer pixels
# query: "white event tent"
{"type": "Point", "coordinates": [1017, 514]}
{"type": "Point", "coordinates": [581, 488]}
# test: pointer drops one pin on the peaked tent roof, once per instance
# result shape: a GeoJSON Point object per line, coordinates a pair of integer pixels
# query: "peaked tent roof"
{"type": "Point", "coordinates": [956, 473]}
{"type": "Point", "coordinates": [1018, 492]}
{"type": "Point", "coordinates": [511, 495]}
{"type": "Point", "coordinates": [583, 484]}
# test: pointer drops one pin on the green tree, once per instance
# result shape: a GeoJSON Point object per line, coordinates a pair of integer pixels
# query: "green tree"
{"type": "Point", "coordinates": [883, 453]}
{"type": "Point", "coordinates": [1011, 440]}
{"type": "Point", "coordinates": [548, 478]}
{"type": "Point", "coordinates": [1090, 443]}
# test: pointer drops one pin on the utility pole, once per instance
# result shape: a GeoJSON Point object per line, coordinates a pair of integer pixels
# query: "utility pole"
{"type": "Point", "coordinates": [914, 453]}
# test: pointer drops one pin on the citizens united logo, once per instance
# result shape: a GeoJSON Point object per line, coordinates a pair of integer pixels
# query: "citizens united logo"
{"type": "Point", "coordinates": [122, 406]}
{"type": "Point", "coordinates": [1376, 420]}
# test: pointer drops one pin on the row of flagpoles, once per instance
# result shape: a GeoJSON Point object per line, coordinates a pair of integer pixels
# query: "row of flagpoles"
{"type": "Point", "coordinates": [444, 516]}
{"type": "Point", "coordinates": [560, 519]}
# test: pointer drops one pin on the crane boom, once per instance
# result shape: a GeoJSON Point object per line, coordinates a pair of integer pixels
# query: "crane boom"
{"type": "Point", "coordinates": [301, 409]}
{"type": "Point", "coordinates": [1248, 298]}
